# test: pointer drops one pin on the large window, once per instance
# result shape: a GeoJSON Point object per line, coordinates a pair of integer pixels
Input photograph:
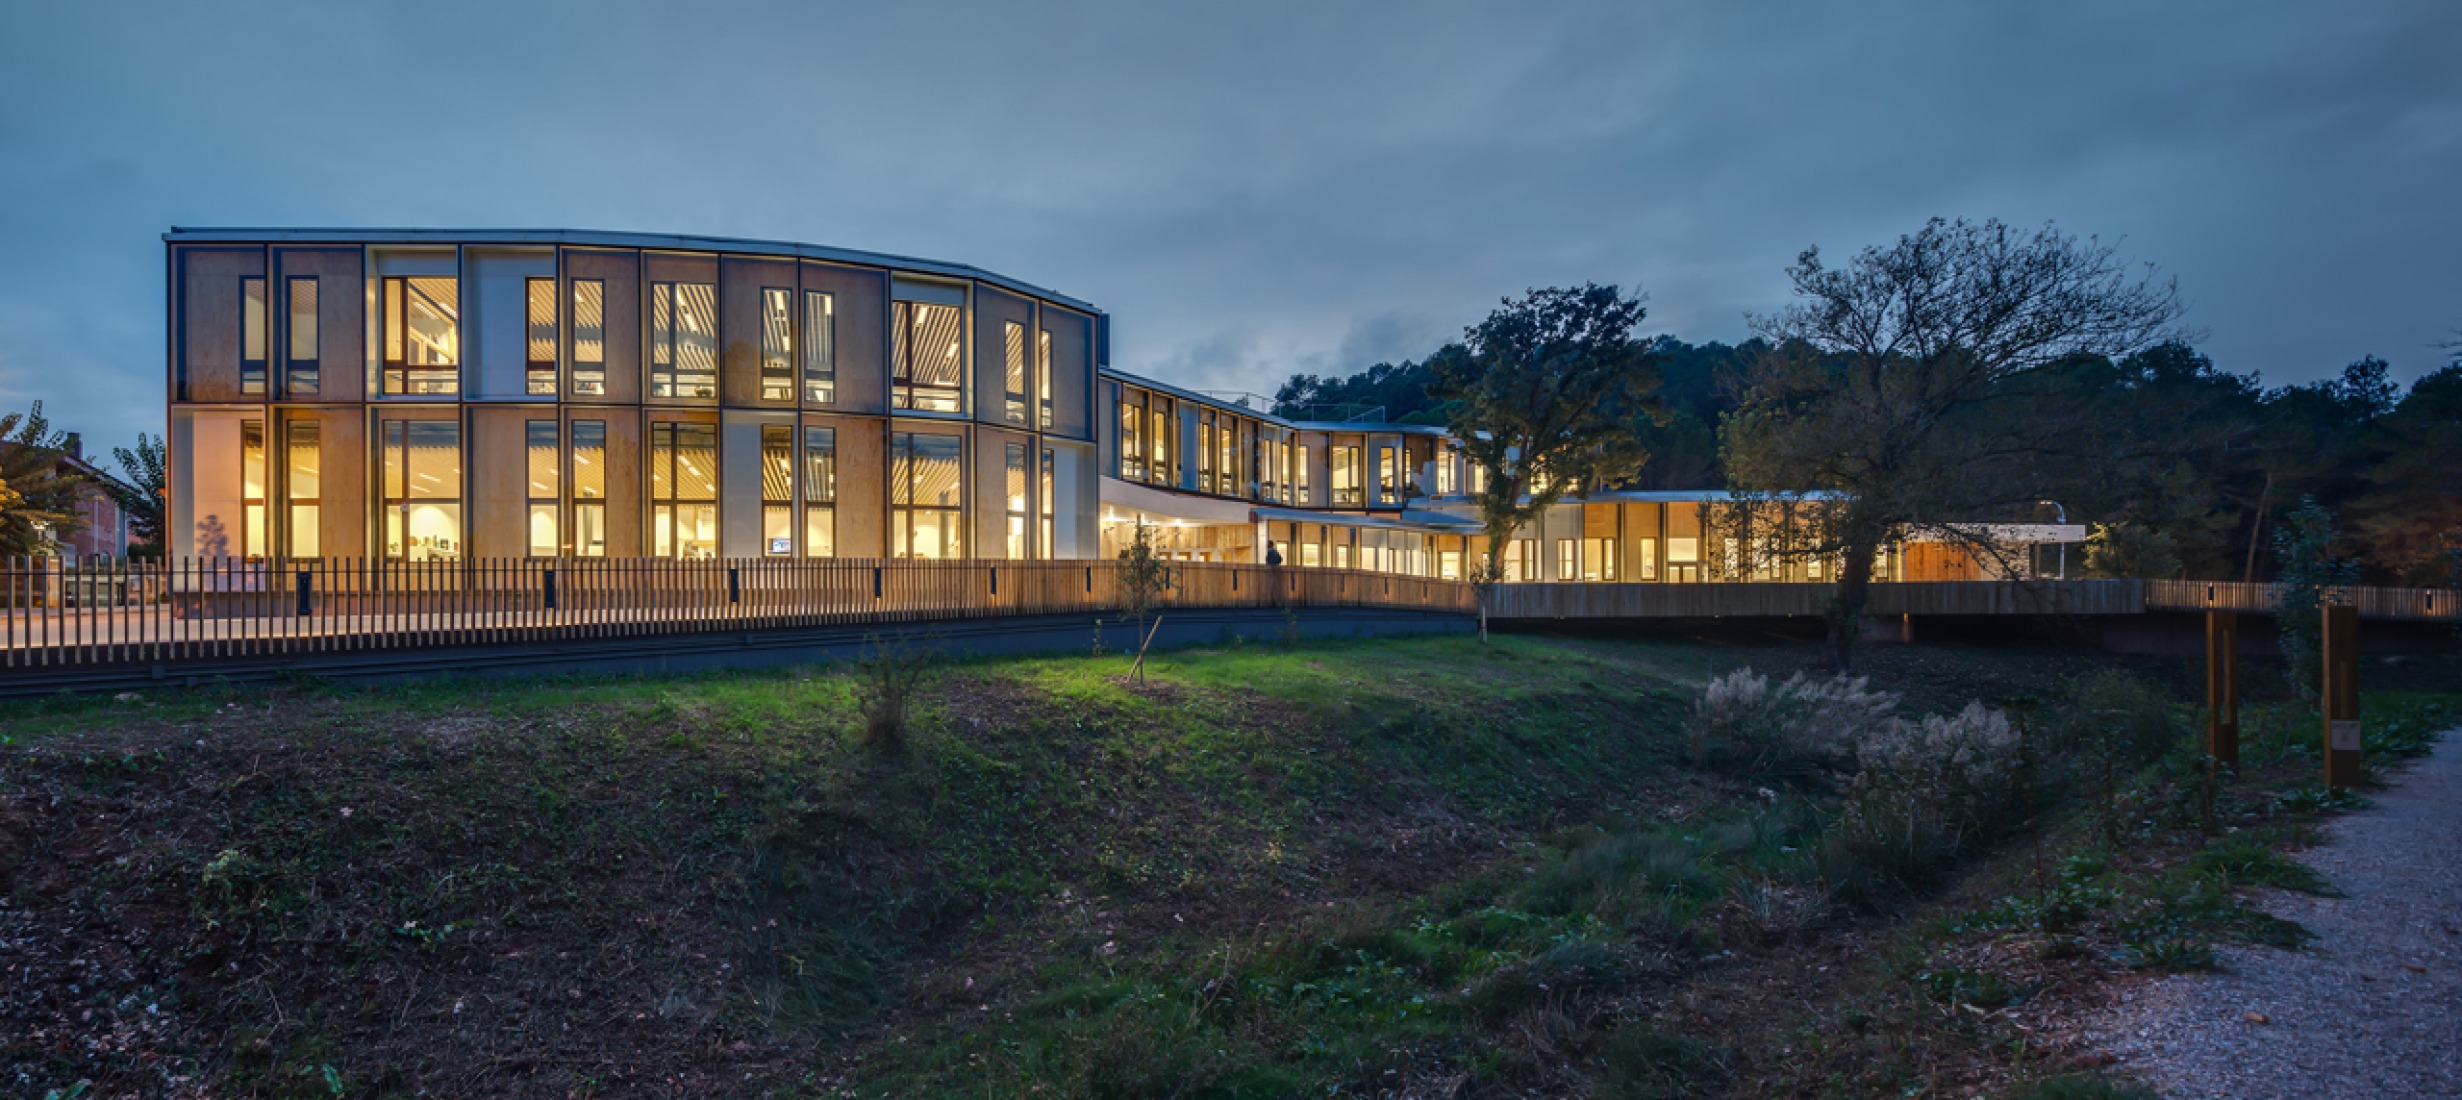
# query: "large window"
{"type": "Point", "coordinates": [1645, 560]}
{"type": "Point", "coordinates": [820, 347]}
{"type": "Point", "coordinates": [423, 344]}
{"type": "Point", "coordinates": [1132, 434]}
{"type": "Point", "coordinates": [1521, 559]}
{"type": "Point", "coordinates": [1042, 500]}
{"type": "Point", "coordinates": [1598, 559]}
{"type": "Point", "coordinates": [1229, 479]}
{"type": "Point", "coordinates": [252, 336]}
{"type": "Point", "coordinates": [1446, 462]}
{"type": "Point", "coordinates": [1348, 492]}
{"type": "Point", "coordinates": [1042, 377]}
{"type": "Point", "coordinates": [423, 489]}
{"type": "Point", "coordinates": [778, 347]}
{"type": "Point", "coordinates": [252, 488]}
{"type": "Point", "coordinates": [1206, 431]}
{"type": "Point", "coordinates": [299, 368]}
{"type": "Point", "coordinates": [683, 340]}
{"type": "Point", "coordinates": [1013, 372]}
{"type": "Point", "coordinates": [778, 489]}
{"type": "Point", "coordinates": [544, 458]}
{"type": "Point", "coordinates": [539, 355]}
{"type": "Point", "coordinates": [1162, 424]}
{"type": "Point", "coordinates": [589, 337]}
{"type": "Point", "coordinates": [820, 492]}
{"type": "Point", "coordinates": [590, 488]}
{"type": "Point", "coordinates": [303, 483]}
{"type": "Point", "coordinates": [1299, 476]}
{"type": "Point", "coordinates": [1014, 493]}
{"type": "Point", "coordinates": [1389, 475]}
{"type": "Point", "coordinates": [684, 490]}
{"type": "Point", "coordinates": [927, 357]}
{"type": "Point", "coordinates": [927, 495]}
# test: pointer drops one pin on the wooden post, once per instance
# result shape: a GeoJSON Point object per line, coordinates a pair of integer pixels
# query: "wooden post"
{"type": "Point", "coordinates": [2223, 686]}
{"type": "Point", "coordinates": [2340, 697]}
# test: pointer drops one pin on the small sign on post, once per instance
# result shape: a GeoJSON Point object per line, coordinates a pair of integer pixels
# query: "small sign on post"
{"type": "Point", "coordinates": [2223, 686]}
{"type": "Point", "coordinates": [2340, 697]}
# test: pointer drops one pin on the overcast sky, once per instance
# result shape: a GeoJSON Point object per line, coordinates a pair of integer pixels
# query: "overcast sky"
{"type": "Point", "coordinates": [1254, 189]}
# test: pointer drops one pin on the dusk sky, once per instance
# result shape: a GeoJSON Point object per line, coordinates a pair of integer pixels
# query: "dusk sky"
{"type": "Point", "coordinates": [1255, 189]}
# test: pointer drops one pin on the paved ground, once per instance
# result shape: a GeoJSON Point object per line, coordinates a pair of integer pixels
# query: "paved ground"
{"type": "Point", "coordinates": [2372, 1008]}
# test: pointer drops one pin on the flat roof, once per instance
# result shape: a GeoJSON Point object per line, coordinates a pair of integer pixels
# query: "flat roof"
{"type": "Point", "coordinates": [607, 239]}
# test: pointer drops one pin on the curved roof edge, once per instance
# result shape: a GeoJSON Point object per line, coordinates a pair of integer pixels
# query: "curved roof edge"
{"type": "Point", "coordinates": [610, 239]}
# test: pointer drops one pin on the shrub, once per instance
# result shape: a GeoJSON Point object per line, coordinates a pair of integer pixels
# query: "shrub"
{"type": "Point", "coordinates": [887, 680]}
{"type": "Point", "coordinates": [1793, 731]}
{"type": "Point", "coordinates": [1927, 792]}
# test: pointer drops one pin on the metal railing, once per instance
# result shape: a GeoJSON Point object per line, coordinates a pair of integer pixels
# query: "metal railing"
{"type": "Point", "coordinates": [2417, 604]}
{"type": "Point", "coordinates": [1777, 599]}
{"type": "Point", "coordinates": [51, 614]}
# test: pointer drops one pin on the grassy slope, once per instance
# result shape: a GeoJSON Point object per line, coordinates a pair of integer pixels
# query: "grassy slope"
{"type": "Point", "coordinates": [1266, 870]}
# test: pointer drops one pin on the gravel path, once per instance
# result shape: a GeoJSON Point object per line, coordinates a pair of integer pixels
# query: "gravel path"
{"type": "Point", "coordinates": [2371, 1008]}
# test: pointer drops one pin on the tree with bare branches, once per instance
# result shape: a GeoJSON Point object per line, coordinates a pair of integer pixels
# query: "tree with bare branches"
{"type": "Point", "coordinates": [1928, 384]}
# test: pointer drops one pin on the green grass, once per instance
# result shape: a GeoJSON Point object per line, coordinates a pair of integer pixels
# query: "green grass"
{"type": "Point", "coordinates": [1338, 868]}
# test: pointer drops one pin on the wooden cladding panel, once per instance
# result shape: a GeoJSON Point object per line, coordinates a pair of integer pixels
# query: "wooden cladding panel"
{"type": "Point", "coordinates": [741, 281]}
{"type": "Point", "coordinates": [861, 299]}
{"type": "Point", "coordinates": [987, 492]}
{"type": "Point", "coordinates": [627, 485]}
{"type": "Point", "coordinates": [863, 503]}
{"type": "Point", "coordinates": [1072, 373]}
{"type": "Point", "coordinates": [343, 482]}
{"type": "Point", "coordinates": [496, 479]}
{"type": "Point", "coordinates": [995, 310]}
{"type": "Point", "coordinates": [341, 310]}
{"type": "Point", "coordinates": [621, 272]}
{"type": "Point", "coordinates": [209, 319]}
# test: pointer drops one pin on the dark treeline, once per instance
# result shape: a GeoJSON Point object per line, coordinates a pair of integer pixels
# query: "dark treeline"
{"type": "Point", "coordinates": [2215, 458]}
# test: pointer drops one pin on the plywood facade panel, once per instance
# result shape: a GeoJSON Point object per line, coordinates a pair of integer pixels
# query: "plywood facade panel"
{"type": "Point", "coordinates": [995, 310]}
{"type": "Point", "coordinates": [1072, 372]}
{"type": "Point", "coordinates": [863, 473]}
{"type": "Point", "coordinates": [340, 317]}
{"type": "Point", "coordinates": [343, 503]}
{"type": "Point", "coordinates": [496, 473]}
{"type": "Point", "coordinates": [627, 457]}
{"type": "Point", "coordinates": [621, 272]}
{"type": "Point", "coordinates": [742, 279]}
{"type": "Point", "coordinates": [860, 300]}
{"type": "Point", "coordinates": [988, 494]}
{"type": "Point", "coordinates": [209, 315]}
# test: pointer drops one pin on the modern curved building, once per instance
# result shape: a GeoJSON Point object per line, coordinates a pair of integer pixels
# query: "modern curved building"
{"type": "Point", "coordinates": [447, 394]}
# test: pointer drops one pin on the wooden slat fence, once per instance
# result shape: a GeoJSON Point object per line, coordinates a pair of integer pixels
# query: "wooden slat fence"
{"type": "Point", "coordinates": [2416, 604]}
{"type": "Point", "coordinates": [53, 615]}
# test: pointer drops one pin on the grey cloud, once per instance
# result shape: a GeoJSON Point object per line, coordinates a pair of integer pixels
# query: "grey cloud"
{"type": "Point", "coordinates": [1263, 188]}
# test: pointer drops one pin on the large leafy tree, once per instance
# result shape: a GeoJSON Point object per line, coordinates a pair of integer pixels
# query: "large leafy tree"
{"type": "Point", "coordinates": [142, 494]}
{"type": "Point", "coordinates": [1545, 396]}
{"type": "Point", "coordinates": [1928, 384]}
{"type": "Point", "coordinates": [40, 488]}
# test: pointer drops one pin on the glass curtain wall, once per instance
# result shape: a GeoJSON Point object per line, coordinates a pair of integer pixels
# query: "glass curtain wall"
{"type": "Point", "coordinates": [820, 492]}
{"type": "Point", "coordinates": [303, 483]}
{"type": "Point", "coordinates": [422, 319]}
{"type": "Point", "coordinates": [589, 337]}
{"type": "Point", "coordinates": [778, 490]}
{"type": "Point", "coordinates": [927, 364]}
{"type": "Point", "coordinates": [683, 490]}
{"type": "Point", "coordinates": [683, 340]}
{"type": "Point", "coordinates": [423, 489]}
{"type": "Point", "coordinates": [927, 498]}
{"type": "Point", "coordinates": [539, 445]}
{"type": "Point", "coordinates": [590, 488]}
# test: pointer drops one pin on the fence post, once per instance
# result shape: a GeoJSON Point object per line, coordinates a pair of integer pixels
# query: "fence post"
{"type": "Point", "coordinates": [547, 587]}
{"type": "Point", "coordinates": [2223, 686]}
{"type": "Point", "coordinates": [2340, 699]}
{"type": "Point", "coordinates": [303, 594]}
{"type": "Point", "coordinates": [735, 586]}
